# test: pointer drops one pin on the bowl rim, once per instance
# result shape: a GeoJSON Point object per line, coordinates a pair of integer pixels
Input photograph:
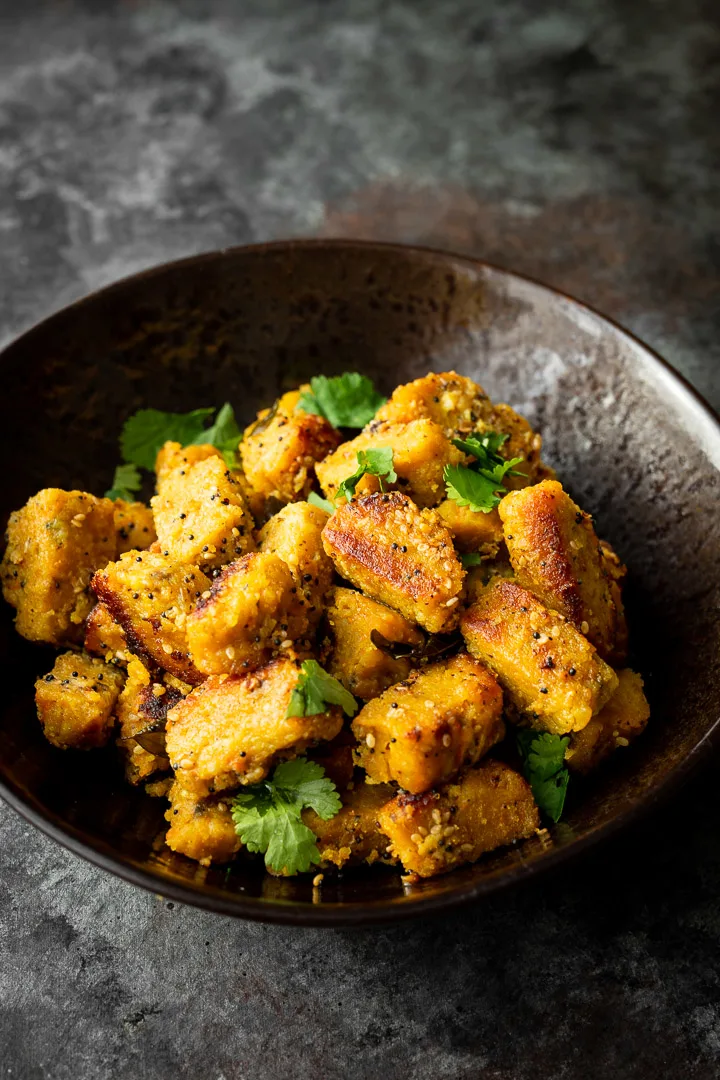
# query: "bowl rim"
{"type": "Point", "coordinates": [300, 913]}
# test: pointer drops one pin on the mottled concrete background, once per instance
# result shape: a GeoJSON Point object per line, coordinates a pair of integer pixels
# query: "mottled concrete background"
{"type": "Point", "coordinates": [577, 141]}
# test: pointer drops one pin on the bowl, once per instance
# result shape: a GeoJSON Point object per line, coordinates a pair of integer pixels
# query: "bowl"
{"type": "Point", "coordinates": [631, 441]}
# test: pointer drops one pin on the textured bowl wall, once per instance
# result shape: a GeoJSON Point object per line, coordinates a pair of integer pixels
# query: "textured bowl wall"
{"type": "Point", "coordinates": [629, 441]}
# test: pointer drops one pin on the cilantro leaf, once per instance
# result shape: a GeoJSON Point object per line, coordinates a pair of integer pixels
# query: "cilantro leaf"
{"type": "Point", "coordinates": [348, 400]}
{"type": "Point", "coordinates": [324, 504]}
{"type": "Point", "coordinates": [304, 783]}
{"type": "Point", "coordinates": [225, 434]}
{"type": "Point", "coordinates": [267, 816]}
{"type": "Point", "coordinates": [148, 429]}
{"type": "Point", "coordinates": [543, 757]}
{"type": "Point", "coordinates": [479, 485]}
{"type": "Point", "coordinates": [126, 483]}
{"type": "Point", "coordinates": [484, 446]}
{"type": "Point", "coordinates": [377, 462]}
{"type": "Point", "coordinates": [316, 690]}
{"type": "Point", "coordinates": [472, 558]}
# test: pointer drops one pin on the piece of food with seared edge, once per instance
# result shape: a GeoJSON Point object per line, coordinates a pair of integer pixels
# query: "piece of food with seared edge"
{"type": "Point", "coordinates": [150, 596]}
{"type": "Point", "coordinates": [421, 732]}
{"type": "Point", "coordinates": [281, 448]}
{"type": "Point", "coordinates": [54, 545]}
{"type": "Point", "coordinates": [397, 554]}
{"type": "Point", "coordinates": [142, 714]}
{"type": "Point", "coordinates": [487, 807]}
{"type": "Point", "coordinates": [552, 676]}
{"type": "Point", "coordinates": [230, 730]}
{"type": "Point", "coordinates": [251, 611]}
{"type": "Point", "coordinates": [554, 552]}
{"type": "Point", "coordinates": [76, 701]}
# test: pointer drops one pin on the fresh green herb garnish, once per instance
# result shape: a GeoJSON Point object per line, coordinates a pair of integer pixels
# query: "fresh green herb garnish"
{"type": "Point", "coordinates": [225, 434]}
{"type": "Point", "coordinates": [267, 815]}
{"type": "Point", "coordinates": [484, 447]}
{"type": "Point", "coordinates": [473, 558]}
{"type": "Point", "coordinates": [480, 485]}
{"type": "Point", "coordinates": [543, 757]}
{"type": "Point", "coordinates": [126, 483]}
{"type": "Point", "coordinates": [316, 690]}
{"type": "Point", "coordinates": [147, 430]}
{"type": "Point", "coordinates": [348, 400]}
{"type": "Point", "coordinates": [370, 463]}
{"type": "Point", "coordinates": [324, 504]}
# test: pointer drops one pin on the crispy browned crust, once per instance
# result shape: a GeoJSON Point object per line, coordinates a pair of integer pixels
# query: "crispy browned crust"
{"type": "Point", "coordinates": [398, 555]}
{"type": "Point", "coordinates": [421, 732]}
{"type": "Point", "coordinates": [150, 596]}
{"type": "Point", "coordinates": [252, 610]}
{"type": "Point", "coordinates": [487, 807]}
{"type": "Point", "coordinates": [143, 707]}
{"type": "Point", "coordinates": [555, 552]}
{"type": "Point", "coordinates": [550, 673]}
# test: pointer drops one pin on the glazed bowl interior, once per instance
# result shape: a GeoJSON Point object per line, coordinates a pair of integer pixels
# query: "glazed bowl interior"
{"type": "Point", "coordinates": [629, 440]}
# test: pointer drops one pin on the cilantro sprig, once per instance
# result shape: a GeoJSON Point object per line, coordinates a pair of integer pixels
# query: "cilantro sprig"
{"type": "Point", "coordinates": [378, 462]}
{"type": "Point", "coordinates": [315, 690]}
{"type": "Point", "coordinates": [126, 483]}
{"type": "Point", "coordinates": [267, 816]}
{"type": "Point", "coordinates": [347, 401]}
{"type": "Point", "coordinates": [480, 484]}
{"type": "Point", "coordinates": [471, 558]}
{"type": "Point", "coordinates": [146, 432]}
{"type": "Point", "coordinates": [543, 758]}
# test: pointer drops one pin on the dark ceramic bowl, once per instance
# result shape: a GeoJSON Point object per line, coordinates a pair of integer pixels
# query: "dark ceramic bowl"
{"type": "Point", "coordinates": [632, 442]}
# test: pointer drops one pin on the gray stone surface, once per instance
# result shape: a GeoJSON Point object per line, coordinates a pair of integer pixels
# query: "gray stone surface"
{"type": "Point", "coordinates": [577, 142]}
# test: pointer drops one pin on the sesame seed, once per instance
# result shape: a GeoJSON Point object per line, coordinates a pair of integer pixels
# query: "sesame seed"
{"type": "Point", "coordinates": [446, 740]}
{"type": "Point", "coordinates": [370, 739]}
